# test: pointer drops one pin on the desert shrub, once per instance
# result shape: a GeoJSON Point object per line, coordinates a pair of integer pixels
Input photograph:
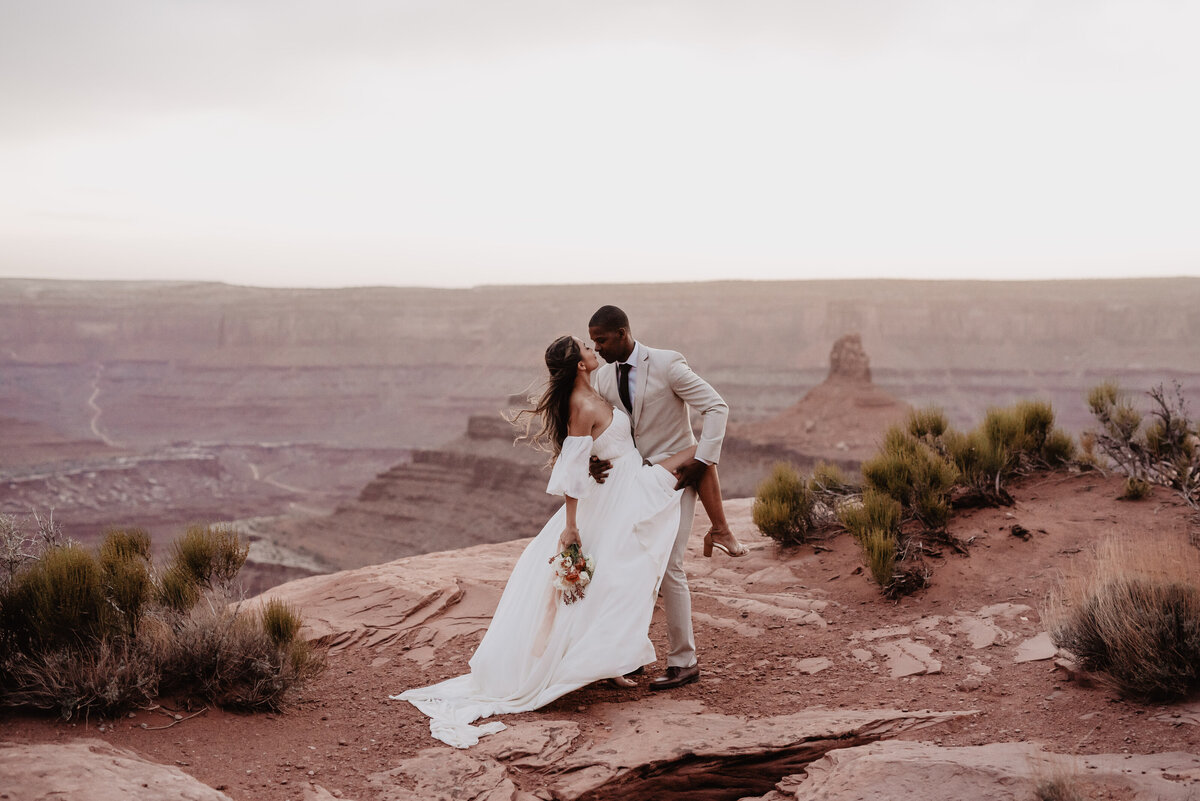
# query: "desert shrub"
{"type": "Point", "coordinates": [178, 589]}
{"type": "Point", "coordinates": [828, 479]}
{"type": "Point", "coordinates": [874, 520]}
{"type": "Point", "coordinates": [56, 602]}
{"type": "Point", "coordinates": [1117, 416]}
{"type": "Point", "coordinates": [96, 633]}
{"type": "Point", "coordinates": [125, 566]}
{"type": "Point", "coordinates": [20, 547]}
{"type": "Point", "coordinates": [874, 511]}
{"type": "Point", "coordinates": [1026, 432]}
{"type": "Point", "coordinates": [1136, 489]}
{"type": "Point", "coordinates": [928, 423]}
{"type": "Point", "coordinates": [1020, 428]}
{"type": "Point", "coordinates": [107, 678]}
{"type": "Point", "coordinates": [233, 661]}
{"type": "Point", "coordinates": [1165, 450]}
{"type": "Point", "coordinates": [125, 543]}
{"type": "Point", "coordinates": [1010, 440]}
{"type": "Point", "coordinates": [1059, 448]}
{"type": "Point", "coordinates": [213, 555]}
{"type": "Point", "coordinates": [280, 621]}
{"type": "Point", "coordinates": [1133, 614]}
{"type": "Point", "coordinates": [783, 506]}
{"type": "Point", "coordinates": [879, 549]}
{"type": "Point", "coordinates": [982, 465]}
{"type": "Point", "coordinates": [911, 472]}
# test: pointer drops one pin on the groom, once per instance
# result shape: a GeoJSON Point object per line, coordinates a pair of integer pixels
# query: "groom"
{"type": "Point", "coordinates": [656, 387]}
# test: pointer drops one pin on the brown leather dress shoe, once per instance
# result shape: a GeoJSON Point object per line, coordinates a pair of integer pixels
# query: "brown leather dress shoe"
{"type": "Point", "coordinates": [676, 677]}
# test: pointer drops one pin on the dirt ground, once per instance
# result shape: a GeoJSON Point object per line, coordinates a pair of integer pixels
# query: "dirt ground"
{"type": "Point", "coordinates": [344, 728]}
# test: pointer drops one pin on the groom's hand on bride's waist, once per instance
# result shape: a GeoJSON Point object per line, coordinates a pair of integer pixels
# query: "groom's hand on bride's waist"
{"type": "Point", "coordinates": [689, 474]}
{"type": "Point", "coordinates": [599, 468]}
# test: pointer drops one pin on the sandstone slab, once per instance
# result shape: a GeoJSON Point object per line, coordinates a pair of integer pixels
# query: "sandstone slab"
{"type": "Point", "coordinates": [1036, 649]}
{"type": "Point", "coordinates": [660, 748]}
{"type": "Point", "coordinates": [914, 771]}
{"type": "Point", "coordinates": [93, 770]}
{"type": "Point", "coordinates": [908, 658]}
{"type": "Point", "coordinates": [418, 603]}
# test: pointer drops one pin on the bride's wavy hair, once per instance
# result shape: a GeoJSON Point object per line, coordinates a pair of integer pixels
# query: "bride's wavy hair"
{"type": "Point", "coordinates": [552, 411]}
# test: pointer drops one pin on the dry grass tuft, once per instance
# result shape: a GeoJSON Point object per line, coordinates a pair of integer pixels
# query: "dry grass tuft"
{"type": "Point", "coordinates": [1133, 614]}
{"type": "Point", "coordinates": [106, 679]}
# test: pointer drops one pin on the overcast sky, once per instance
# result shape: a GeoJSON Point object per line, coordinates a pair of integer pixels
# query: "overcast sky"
{"type": "Point", "coordinates": [447, 143]}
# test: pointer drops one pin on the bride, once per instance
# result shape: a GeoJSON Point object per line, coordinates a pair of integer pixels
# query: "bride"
{"type": "Point", "coordinates": [537, 648]}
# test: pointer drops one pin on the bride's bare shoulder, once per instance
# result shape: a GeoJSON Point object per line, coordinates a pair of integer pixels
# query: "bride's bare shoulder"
{"type": "Point", "coordinates": [585, 413]}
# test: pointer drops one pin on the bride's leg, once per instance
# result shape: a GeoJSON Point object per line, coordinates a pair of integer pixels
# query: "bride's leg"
{"type": "Point", "coordinates": [720, 534]}
{"type": "Point", "coordinates": [679, 460]}
{"type": "Point", "coordinates": [709, 491]}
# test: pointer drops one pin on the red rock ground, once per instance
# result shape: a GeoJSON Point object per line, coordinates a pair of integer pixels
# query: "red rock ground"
{"type": "Point", "coordinates": [344, 728]}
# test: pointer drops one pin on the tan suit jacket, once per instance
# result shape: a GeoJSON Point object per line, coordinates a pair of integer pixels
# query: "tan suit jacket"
{"type": "Point", "coordinates": [665, 390]}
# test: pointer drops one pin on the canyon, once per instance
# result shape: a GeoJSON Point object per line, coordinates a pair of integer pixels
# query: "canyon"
{"type": "Point", "coordinates": [341, 427]}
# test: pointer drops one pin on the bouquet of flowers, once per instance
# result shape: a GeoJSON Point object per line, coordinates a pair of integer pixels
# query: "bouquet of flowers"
{"type": "Point", "coordinates": [573, 571]}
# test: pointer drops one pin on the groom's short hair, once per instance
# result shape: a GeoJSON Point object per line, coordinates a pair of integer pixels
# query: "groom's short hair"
{"type": "Point", "coordinates": [609, 318]}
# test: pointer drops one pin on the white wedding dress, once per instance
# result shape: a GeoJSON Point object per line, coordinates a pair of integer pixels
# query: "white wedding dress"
{"type": "Point", "coordinates": [537, 648]}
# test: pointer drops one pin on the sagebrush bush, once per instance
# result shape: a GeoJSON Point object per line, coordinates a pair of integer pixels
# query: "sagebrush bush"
{"type": "Point", "coordinates": [178, 589]}
{"type": "Point", "coordinates": [107, 678]}
{"type": "Point", "coordinates": [56, 602]}
{"type": "Point", "coordinates": [982, 465]}
{"type": "Point", "coordinates": [879, 549]}
{"type": "Point", "coordinates": [911, 472]}
{"type": "Point", "coordinates": [1020, 428]}
{"type": "Point", "coordinates": [1059, 448]}
{"type": "Point", "coordinates": [125, 543]}
{"type": "Point", "coordinates": [783, 506]}
{"type": "Point", "coordinates": [213, 555]}
{"type": "Point", "coordinates": [1166, 450]}
{"type": "Point", "coordinates": [280, 621]}
{"type": "Point", "coordinates": [1133, 614]}
{"type": "Point", "coordinates": [1027, 433]}
{"type": "Point", "coordinates": [125, 568]}
{"type": "Point", "coordinates": [231, 660]}
{"type": "Point", "coordinates": [828, 479]}
{"type": "Point", "coordinates": [100, 634]}
{"type": "Point", "coordinates": [927, 423]}
{"type": "Point", "coordinates": [874, 511]}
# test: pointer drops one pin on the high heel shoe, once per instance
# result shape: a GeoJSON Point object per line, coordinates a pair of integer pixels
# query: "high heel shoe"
{"type": "Point", "coordinates": [736, 551]}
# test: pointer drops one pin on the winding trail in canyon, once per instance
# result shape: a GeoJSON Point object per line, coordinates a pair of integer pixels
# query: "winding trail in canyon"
{"type": "Point", "coordinates": [97, 411]}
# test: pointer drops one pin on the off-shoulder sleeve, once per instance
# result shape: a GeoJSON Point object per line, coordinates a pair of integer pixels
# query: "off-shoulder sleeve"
{"type": "Point", "coordinates": [570, 474]}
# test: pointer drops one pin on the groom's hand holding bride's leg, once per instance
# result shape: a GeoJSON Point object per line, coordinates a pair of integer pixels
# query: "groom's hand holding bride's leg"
{"type": "Point", "coordinates": [690, 473]}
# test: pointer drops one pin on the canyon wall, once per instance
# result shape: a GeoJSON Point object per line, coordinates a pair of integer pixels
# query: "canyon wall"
{"type": "Point", "coordinates": [355, 401]}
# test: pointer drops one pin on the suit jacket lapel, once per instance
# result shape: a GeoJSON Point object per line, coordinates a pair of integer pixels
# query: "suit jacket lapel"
{"type": "Point", "coordinates": [639, 392]}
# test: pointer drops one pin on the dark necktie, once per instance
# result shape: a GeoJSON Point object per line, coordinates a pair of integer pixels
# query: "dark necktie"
{"type": "Point", "coordinates": [623, 369]}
